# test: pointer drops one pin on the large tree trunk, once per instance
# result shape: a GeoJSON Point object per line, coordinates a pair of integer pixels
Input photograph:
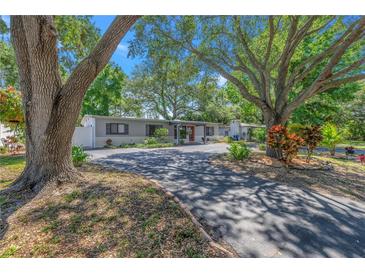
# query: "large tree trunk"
{"type": "Point", "coordinates": [51, 108]}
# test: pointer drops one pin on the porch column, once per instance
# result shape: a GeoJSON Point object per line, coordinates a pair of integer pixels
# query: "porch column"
{"type": "Point", "coordinates": [204, 134]}
{"type": "Point", "coordinates": [177, 134]}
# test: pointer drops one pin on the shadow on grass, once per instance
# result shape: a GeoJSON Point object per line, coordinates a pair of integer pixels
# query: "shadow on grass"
{"type": "Point", "coordinates": [107, 217]}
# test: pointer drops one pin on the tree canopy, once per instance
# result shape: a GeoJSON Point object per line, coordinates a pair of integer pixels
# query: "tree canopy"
{"type": "Point", "coordinates": [276, 62]}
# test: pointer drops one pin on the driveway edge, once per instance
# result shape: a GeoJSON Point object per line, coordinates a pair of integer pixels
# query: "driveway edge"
{"type": "Point", "coordinates": [187, 211]}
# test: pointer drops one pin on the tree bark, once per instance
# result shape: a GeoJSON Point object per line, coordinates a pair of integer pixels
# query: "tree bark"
{"type": "Point", "coordinates": [51, 108]}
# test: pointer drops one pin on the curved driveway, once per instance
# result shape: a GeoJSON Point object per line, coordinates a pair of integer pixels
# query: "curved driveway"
{"type": "Point", "coordinates": [257, 218]}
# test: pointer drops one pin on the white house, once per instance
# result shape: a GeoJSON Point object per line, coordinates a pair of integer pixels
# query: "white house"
{"type": "Point", "coordinates": [4, 132]}
{"type": "Point", "coordinates": [242, 131]}
{"type": "Point", "coordinates": [96, 130]}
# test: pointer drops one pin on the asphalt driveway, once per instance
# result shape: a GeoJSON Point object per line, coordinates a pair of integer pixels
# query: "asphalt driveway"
{"type": "Point", "coordinates": [257, 218]}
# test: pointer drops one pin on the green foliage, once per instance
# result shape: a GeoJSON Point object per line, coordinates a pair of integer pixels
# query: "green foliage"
{"type": "Point", "coordinates": [150, 141]}
{"type": "Point", "coordinates": [77, 37]}
{"type": "Point", "coordinates": [3, 150]}
{"type": "Point", "coordinates": [11, 111]}
{"type": "Point", "coordinates": [9, 252]}
{"type": "Point", "coordinates": [262, 147]}
{"type": "Point", "coordinates": [312, 136]}
{"type": "Point", "coordinates": [355, 116]}
{"type": "Point", "coordinates": [238, 151]}
{"type": "Point", "coordinates": [161, 134]}
{"type": "Point", "coordinates": [165, 85]}
{"type": "Point", "coordinates": [332, 136]}
{"type": "Point", "coordinates": [79, 156]}
{"type": "Point", "coordinates": [217, 41]}
{"type": "Point", "coordinates": [107, 96]}
{"type": "Point", "coordinates": [228, 139]}
{"type": "Point", "coordinates": [259, 134]}
{"type": "Point", "coordinates": [8, 66]}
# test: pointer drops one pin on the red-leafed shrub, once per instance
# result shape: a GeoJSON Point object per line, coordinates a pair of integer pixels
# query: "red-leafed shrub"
{"type": "Point", "coordinates": [312, 136]}
{"type": "Point", "coordinates": [286, 145]}
{"type": "Point", "coordinates": [361, 159]}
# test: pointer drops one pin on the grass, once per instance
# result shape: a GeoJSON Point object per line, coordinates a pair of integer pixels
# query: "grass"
{"type": "Point", "coordinates": [110, 214]}
{"type": "Point", "coordinates": [342, 162]}
{"type": "Point", "coordinates": [10, 167]}
{"type": "Point", "coordinates": [356, 144]}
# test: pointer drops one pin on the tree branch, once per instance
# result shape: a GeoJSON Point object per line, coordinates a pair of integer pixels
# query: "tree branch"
{"type": "Point", "coordinates": [89, 68]}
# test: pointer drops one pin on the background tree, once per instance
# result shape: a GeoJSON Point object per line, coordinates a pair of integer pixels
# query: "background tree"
{"type": "Point", "coordinates": [11, 110]}
{"type": "Point", "coordinates": [107, 95]}
{"type": "Point", "coordinates": [276, 62]}
{"type": "Point", "coordinates": [356, 116]}
{"type": "Point", "coordinates": [8, 67]}
{"type": "Point", "coordinates": [52, 106]}
{"type": "Point", "coordinates": [166, 86]}
{"type": "Point", "coordinates": [77, 36]}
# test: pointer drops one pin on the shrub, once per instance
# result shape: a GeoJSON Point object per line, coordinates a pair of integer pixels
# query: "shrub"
{"type": "Point", "coordinates": [259, 135]}
{"type": "Point", "coordinates": [228, 139]}
{"type": "Point", "coordinates": [79, 156]}
{"type": "Point", "coordinates": [109, 142]}
{"type": "Point", "coordinates": [361, 158]}
{"type": "Point", "coordinates": [3, 150]}
{"type": "Point", "coordinates": [238, 151]}
{"type": "Point", "coordinates": [350, 150]}
{"type": "Point", "coordinates": [295, 128]}
{"type": "Point", "coordinates": [161, 134]}
{"type": "Point", "coordinates": [332, 137]}
{"type": "Point", "coordinates": [312, 136]}
{"type": "Point", "coordinates": [262, 147]}
{"type": "Point", "coordinates": [285, 144]}
{"type": "Point", "coordinates": [150, 141]}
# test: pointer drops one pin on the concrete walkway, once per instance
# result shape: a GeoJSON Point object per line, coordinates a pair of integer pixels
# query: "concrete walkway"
{"type": "Point", "coordinates": [258, 218]}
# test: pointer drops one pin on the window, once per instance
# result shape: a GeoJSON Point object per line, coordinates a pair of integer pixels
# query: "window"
{"type": "Point", "coordinates": [150, 129]}
{"type": "Point", "coordinates": [116, 129]}
{"type": "Point", "coordinates": [209, 131]}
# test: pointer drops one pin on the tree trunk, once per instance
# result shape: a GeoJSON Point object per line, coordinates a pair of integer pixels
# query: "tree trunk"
{"type": "Point", "coordinates": [51, 108]}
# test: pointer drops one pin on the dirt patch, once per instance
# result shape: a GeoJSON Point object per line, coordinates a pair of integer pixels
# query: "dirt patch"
{"type": "Point", "coordinates": [320, 175]}
{"type": "Point", "coordinates": [111, 214]}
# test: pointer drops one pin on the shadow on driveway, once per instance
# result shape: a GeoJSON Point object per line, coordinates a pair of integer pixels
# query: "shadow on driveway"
{"type": "Point", "coordinates": [258, 218]}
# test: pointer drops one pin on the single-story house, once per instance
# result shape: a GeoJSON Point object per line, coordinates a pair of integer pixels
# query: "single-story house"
{"type": "Point", "coordinates": [96, 130]}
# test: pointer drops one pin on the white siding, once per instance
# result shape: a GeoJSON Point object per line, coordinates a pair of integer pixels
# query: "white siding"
{"type": "Point", "coordinates": [83, 137]}
{"type": "Point", "coordinates": [4, 132]}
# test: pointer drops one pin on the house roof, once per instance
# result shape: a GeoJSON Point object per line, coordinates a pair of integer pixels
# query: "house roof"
{"type": "Point", "coordinates": [175, 122]}
{"type": "Point", "coordinates": [252, 125]}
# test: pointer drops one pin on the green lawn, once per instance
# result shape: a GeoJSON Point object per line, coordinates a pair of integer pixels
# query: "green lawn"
{"type": "Point", "coordinates": [342, 162]}
{"type": "Point", "coordinates": [356, 144]}
{"type": "Point", "coordinates": [10, 167]}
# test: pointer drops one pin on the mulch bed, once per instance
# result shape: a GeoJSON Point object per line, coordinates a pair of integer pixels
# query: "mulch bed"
{"type": "Point", "coordinates": [318, 175]}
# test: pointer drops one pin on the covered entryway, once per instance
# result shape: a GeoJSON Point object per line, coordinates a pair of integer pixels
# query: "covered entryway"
{"type": "Point", "coordinates": [189, 132]}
